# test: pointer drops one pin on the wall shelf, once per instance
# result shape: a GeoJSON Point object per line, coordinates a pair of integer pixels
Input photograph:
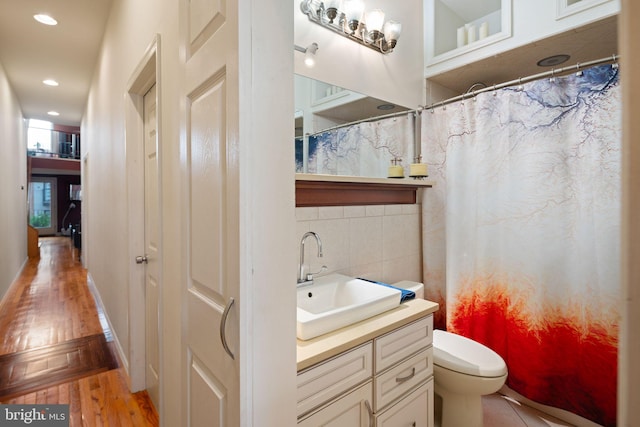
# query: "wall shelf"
{"type": "Point", "coordinates": [340, 190]}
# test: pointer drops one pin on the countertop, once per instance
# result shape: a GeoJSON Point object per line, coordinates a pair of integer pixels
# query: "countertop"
{"type": "Point", "coordinates": [328, 345]}
{"type": "Point", "coordinates": [363, 180]}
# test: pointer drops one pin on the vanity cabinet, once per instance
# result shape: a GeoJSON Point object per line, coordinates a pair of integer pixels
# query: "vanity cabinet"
{"type": "Point", "coordinates": [387, 381]}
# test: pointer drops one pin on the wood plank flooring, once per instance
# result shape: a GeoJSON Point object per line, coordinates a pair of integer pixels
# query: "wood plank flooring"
{"type": "Point", "coordinates": [54, 350]}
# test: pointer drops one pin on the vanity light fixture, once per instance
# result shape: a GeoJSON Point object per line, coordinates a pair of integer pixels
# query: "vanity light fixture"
{"type": "Point", "coordinates": [369, 29]}
{"type": "Point", "coordinates": [309, 53]}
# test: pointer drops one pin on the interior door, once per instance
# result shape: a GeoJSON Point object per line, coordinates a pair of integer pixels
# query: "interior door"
{"type": "Point", "coordinates": [151, 244]}
{"type": "Point", "coordinates": [211, 212]}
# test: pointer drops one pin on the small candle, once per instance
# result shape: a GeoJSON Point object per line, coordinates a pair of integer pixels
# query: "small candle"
{"type": "Point", "coordinates": [462, 36]}
{"type": "Point", "coordinates": [471, 33]}
{"type": "Point", "coordinates": [484, 30]}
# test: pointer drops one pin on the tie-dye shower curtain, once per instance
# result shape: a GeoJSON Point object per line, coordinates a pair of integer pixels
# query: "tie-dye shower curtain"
{"type": "Point", "coordinates": [521, 233]}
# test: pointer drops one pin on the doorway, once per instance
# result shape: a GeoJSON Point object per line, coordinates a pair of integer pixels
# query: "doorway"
{"type": "Point", "coordinates": [43, 205]}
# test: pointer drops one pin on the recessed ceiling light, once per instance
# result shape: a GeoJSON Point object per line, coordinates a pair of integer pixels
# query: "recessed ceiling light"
{"type": "Point", "coordinates": [50, 82]}
{"type": "Point", "coordinates": [386, 107]}
{"type": "Point", "coordinates": [45, 19]}
{"type": "Point", "coordinates": [53, 113]}
{"type": "Point", "coordinates": [553, 60]}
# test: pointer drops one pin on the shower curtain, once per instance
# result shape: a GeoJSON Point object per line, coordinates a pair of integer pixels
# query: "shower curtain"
{"type": "Point", "coordinates": [521, 233]}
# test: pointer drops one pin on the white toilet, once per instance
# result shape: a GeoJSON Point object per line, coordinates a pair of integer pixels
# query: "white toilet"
{"type": "Point", "coordinates": [464, 371]}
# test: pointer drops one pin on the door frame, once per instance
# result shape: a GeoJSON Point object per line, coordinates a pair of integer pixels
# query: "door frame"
{"type": "Point", "coordinates": [145, 75]}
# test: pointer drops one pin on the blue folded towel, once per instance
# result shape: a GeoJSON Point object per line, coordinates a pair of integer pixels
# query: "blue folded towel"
{"type": "Point", "coordinates": [406, 293]}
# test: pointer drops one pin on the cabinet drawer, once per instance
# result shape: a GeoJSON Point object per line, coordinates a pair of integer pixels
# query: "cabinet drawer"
{"type": "Point", "coordinates": [405, 376]}
{"type": "Point", "coordinates": [349, 410]}
{"type": "Point", "coordinates": [323, 382]}
{"type": "Point", "coordinates": [415, 410]}
{"type": "Point", "coordinates": [402, 343]}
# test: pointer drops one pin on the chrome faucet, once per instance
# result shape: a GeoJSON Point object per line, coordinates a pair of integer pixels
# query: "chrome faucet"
{"type": "Point", "coordinates": [308, 279]}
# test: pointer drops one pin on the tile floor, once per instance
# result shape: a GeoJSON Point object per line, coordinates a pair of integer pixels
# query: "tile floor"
{"type": "Point", "coordinates": [503, 411]}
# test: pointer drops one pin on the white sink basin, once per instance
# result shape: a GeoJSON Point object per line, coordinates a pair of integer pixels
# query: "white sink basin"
{"type": "Point", "coordinates": [334, 301]}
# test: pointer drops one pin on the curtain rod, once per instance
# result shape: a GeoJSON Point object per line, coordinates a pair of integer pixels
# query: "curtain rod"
{"type": "Point", "coordinates": [368, 119]}
{"type": "Point", "coordinates": [554, 72]}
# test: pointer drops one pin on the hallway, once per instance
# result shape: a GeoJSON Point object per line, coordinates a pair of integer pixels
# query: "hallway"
{"type": "Point", "coordinates": [54, 348]}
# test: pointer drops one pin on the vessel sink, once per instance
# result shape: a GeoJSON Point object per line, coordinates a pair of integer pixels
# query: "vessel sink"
{"type": "Point", "coordinates": [335, 300]}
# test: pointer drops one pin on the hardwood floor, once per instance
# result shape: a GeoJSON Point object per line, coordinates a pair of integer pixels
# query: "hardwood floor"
{"type": "Point", "coordinates": [54, 349]}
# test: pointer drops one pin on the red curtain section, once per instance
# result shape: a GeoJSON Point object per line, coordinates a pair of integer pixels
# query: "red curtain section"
{"type": "Point", "coordinates": [559, 356]}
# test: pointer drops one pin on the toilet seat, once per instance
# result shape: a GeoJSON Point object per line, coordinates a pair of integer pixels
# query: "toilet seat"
{"type": "Point", "coordinates": [463, 355]}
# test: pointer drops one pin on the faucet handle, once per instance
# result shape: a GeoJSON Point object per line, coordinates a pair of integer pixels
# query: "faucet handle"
{"type": "Point", "coordinates": [310, 275]}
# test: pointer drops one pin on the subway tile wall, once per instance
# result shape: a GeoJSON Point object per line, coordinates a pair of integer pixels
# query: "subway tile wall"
{"type": "Point", "coordinates": [381, 242]}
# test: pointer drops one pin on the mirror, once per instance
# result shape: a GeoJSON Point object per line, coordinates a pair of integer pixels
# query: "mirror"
{"type": "Point", "coordinates": [321, 107]}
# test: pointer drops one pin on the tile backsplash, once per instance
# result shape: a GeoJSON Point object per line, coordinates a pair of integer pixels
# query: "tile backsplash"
{"type": "Point", "coordinates": [380, 242]}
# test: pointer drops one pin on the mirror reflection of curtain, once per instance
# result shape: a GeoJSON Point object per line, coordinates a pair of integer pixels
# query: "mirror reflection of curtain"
{"type": "Point", "coordinates": [522, 233]}
{"type": "Point", "coordinates": [362, 149]}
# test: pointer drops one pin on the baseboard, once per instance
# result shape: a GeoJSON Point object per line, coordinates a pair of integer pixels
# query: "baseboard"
{"type": "Point", "coordinates": [13, 282]}
{"type": "Point", "coordinates": [107, 326]}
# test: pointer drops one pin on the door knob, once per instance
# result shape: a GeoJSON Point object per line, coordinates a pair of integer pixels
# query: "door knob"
{"type": "Point", "coordinates": [142, 259]}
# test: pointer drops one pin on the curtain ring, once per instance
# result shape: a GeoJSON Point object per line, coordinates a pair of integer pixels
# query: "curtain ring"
{"type": "Point", "coordinates": [495, 93]}
{"type": "Point", "coordinates": [615, 62]}
{"type": "Point", "coordinates": [553, 77]}
{"type": "Point", "coordinates": [444, 108]}
{"type": "Point", "coordinates": [579, 71]}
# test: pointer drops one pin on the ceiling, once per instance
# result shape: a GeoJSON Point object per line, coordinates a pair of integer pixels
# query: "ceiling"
{"type": "Point", "coordinates": [31, 52]}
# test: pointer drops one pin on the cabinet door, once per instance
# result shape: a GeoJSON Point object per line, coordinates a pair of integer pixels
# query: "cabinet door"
{"type": "Point", "coordinates": [351, 410]}
{"type": "Point", "coordinates": [415, 410]}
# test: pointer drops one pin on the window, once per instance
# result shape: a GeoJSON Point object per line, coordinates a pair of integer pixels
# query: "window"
{"type": "Point", "coordinates": [39, 135]}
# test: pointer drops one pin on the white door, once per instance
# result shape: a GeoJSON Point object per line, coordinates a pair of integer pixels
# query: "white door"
{"type": "Point", "coordinates": [211, 211]}
{"type": "Point", "coordinates": [151, 244]}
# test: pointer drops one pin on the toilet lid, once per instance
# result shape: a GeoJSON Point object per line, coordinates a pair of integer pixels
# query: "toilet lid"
{"type": "Point", "coordinates": [466, 356]}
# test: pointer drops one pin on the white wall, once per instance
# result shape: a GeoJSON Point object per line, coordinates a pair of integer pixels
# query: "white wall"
{"type": "Point", "coordinates": [267, 212]}
{"type": "Point", "coordinates": [397, 77]}
{"type": "Point", "coordinates": [13, 186]}
{"type": "Point", "coordinates": [379, 242]}
{"type": "Point", "coordinates": [131, 28]}
{"type": "Point", "coordinates": [629, 352]}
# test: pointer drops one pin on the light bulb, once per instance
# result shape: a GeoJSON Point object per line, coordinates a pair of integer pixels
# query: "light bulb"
{"type": "Point", "coordinates": [310, 55]}
{"type": "Point", "coordinates": [374, 20]}
{"type": "Point", "coordinates": [353, 10]}
{"type": "Point", "coordinates": [332, 7]}
{"type": "Point", "coordinates": [392, 31]}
